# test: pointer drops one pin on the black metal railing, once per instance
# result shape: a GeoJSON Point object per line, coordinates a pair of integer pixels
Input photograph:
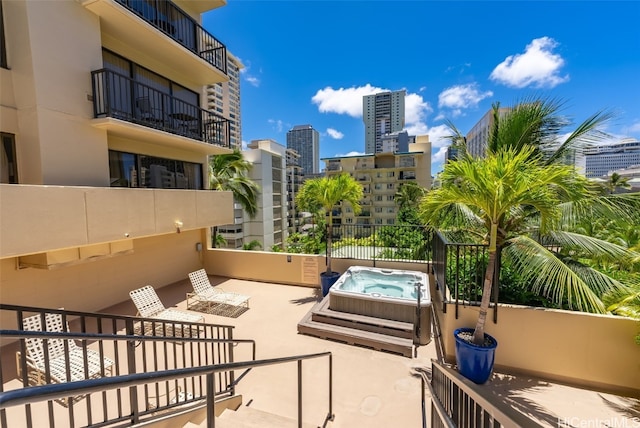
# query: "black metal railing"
{"type": "Point", "coordinates": [178, 25]}
{"type": "Point", "coordinates": [121, 384]}
{"type": "Point", "coordinates": [459, 270]}
{"type": "Point", "coordinates": [121, 97]}
{"type": "Point", "coordinates": [130, 346]}
{"type": "Point", "coordinates": [407, 243]}
{"type": "Point", "coordinates": [457, 402]}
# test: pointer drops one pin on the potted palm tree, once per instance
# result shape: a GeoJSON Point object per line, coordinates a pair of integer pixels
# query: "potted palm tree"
{"type": "Point", "coordinates": [323, 194]}
{"type": "Point", "coordinates": [517, 189]}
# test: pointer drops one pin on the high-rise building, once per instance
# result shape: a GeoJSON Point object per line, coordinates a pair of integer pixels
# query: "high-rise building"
{"type": "Point", "coordinates": [223, 98]}
{"type": "Point", "coordinates": [601, 160]}
{"type": "Point", "coordinates": [382, 113]}
{"type": "Point", "coordinates": [105, 141]}
{"type": "Point", "coordinates": [295, 178]}
{"type": "Point", "coordinates": [268, 226]}
{"type": "Point", "coordinates": [478, 137]}
{"type": "Point", "coordinates": [268, 172]}
{"type": "Point", "coordinates": [381, 175]}
{"type": "Point", "coordinates": [306, 141]}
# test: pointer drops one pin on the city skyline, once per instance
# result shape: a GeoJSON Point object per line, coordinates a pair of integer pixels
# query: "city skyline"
{"type": "Point", "coordinates": [325, 56]}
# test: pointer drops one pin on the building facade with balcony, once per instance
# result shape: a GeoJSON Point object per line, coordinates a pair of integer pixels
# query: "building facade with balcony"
{"type": "Point", "coordinates": [269, 226]}
{"type": "Point", "coordinates": [602, 160]}
{"type": "Point", "coordinates": [223, 99]}
{"type": "Point", "coordinates": [477, 139]}
{"type": "Point", "coordinates": [381, 176]}
{"type": "Point", "coordinates": [105, 147]}
{"type": "Point", "coordinates": [306, 141]}
{"type": "Point", "coordinates": [295, 178]}
{"type": "Point", "coordinates": [382, 113]}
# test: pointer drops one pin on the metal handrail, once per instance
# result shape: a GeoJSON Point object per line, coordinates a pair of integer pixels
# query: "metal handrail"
{"type": "Point", "coordinates": [166, 344]}
{"type": "Point", "coordinates": [464, 401]}
{"type": "Point", "coordinates": [55, 391]}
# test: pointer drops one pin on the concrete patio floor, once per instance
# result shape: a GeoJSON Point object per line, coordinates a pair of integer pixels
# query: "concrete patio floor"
{"type": "Point", "coordinates": [370, 388]}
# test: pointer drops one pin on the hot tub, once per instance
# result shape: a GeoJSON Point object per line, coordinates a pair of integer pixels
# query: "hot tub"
{"type": "Point", "coordinates": [390, 294]}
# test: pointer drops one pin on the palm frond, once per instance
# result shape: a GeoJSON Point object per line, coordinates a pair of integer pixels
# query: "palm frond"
{"type": "Point", "coordinates": [552, 278]}
{"type": "Point", "coordinates": [589, 244]}
{"type": "Point", "coordinates": [624, 301]}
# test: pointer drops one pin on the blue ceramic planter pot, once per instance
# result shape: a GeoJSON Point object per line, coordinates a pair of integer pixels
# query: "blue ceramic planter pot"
{"type": "Point", "coordinates": [474, 362]}
{"type": "Point", "coordinates": [327, 280]}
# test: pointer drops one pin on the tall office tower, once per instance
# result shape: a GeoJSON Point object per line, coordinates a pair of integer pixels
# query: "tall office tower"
{"type": "Point", "coordinates": [383, 114]}
{"type": "Point", "coordinates": [601, 160]}
{"type": "Point", "coordinates": [381, 175]}
{"type": "Point", "coordinates": [306, 141]}
{"type": "Point", "coordinates": [223, 98]}
{"type": "Point", "coordinates": [478, 137]}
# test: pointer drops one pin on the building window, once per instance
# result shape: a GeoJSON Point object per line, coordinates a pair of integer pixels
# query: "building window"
{"type": "Point", "coordinates": [133, 170]}
{"type": "Point", "coordinates": [3, 43]}
{"type": "Point", "coordinates": [8, 165]}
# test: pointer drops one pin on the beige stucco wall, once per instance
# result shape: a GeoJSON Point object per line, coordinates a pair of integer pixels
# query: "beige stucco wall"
{"type": "Point", "coordinates": [50, 74]}
{"type": "Point", "coordinates": [44, 218]}
{"type": "Point", "coordinates": [94, 285]}
{"type": "Point", "coordinates": [302, 269]}
{"type": "Point", "coordinates": [578, 348]}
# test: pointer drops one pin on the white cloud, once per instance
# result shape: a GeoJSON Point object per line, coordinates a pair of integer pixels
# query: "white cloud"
{"type": "Point", "coordinates": [338, 155]}
{"type": "Point", "coordinates": [462, 96]}
{"type": "Point", "coordinates": [335, 134]}
{"type": "Point", "coordinates": [538, 66]}
{"type": "Point", "coordinates": [439, 156]}
{"type": "Point", "coordinates": [278, 125]}
{"type": "Point", "coordinates": [248, 77]}
{"type": "Point", "coordinates": [253, 80]}
{"type": "Point", "coordinates": [634, 128]}
{"type": "Point", "coordinates": [438, 134]}
{"type": "Point", "coordinates": [415, 111]}
{"type": "Point", "coordinates": [343, 100]}
{"type": "Point", "coordinates": [349, 101]}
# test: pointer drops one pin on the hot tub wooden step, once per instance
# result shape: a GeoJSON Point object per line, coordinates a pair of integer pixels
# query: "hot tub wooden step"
{"type": "Point", "coordinates": [379, 342]}
{"type": "Point", "coordinates": [322, 314]}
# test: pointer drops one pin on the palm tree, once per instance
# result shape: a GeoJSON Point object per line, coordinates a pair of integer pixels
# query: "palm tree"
{"type": "Point", "coordinates": [325, 193]}
{"type": "Point", "coordinates": [522, 194]}
{"type": "Point", "coordinates": [616, 181]}
{"type": "Point", "coordinates": [501, 190]}
{"type": "Point", "coordinates": [408, 198]}
{"type": "Point", "coordinates": [252, 246]}
{"type": "Point", "coordinates": [229, 172]}
{"type": "Point", "coordinates": [409, 195]}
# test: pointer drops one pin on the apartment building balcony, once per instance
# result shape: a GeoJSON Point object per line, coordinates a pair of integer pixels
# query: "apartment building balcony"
{"type": "Point", "coordinates": [161, 27]}
{"type": "Point", "coordinates": [131, 109]}
{"type": "Point", "coordinates": [65, 223]}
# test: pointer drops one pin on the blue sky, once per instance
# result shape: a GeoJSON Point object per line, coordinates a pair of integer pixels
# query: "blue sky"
{"type": "Point", "coordinates": [310, 62]}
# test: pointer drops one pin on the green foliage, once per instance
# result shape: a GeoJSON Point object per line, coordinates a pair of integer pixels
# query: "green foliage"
{"type": "Point", "coordinates": [325, 193]}
{"type": "Point", "coordinates": [305, 244]}
{"type": "Point", "coordinates": [252, 246]}
{"type": "Point", "coordinates": [230, 172]}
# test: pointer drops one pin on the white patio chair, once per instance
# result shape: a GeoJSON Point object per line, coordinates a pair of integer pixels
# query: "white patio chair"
{"type": "Point", "coordinates": [226, 303]}
{"type": "Point", "coordinates": [149, 305]}
{"type": "Point", "coordinates": [93, 367]}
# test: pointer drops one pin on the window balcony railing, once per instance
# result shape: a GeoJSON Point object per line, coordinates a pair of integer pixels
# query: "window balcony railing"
{"type": "Point", "coordinates": [178, 25]}
{"type": "Point", "coordinates": [120, 97]}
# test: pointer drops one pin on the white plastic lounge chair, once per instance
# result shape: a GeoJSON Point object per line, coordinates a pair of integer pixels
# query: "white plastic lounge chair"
{"type": "Point", "coordinates": [205, 293]}
{"type": "Point", "coordinates": [149, 305]}
{"type": "Point", "coordinates": [37, 369]}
